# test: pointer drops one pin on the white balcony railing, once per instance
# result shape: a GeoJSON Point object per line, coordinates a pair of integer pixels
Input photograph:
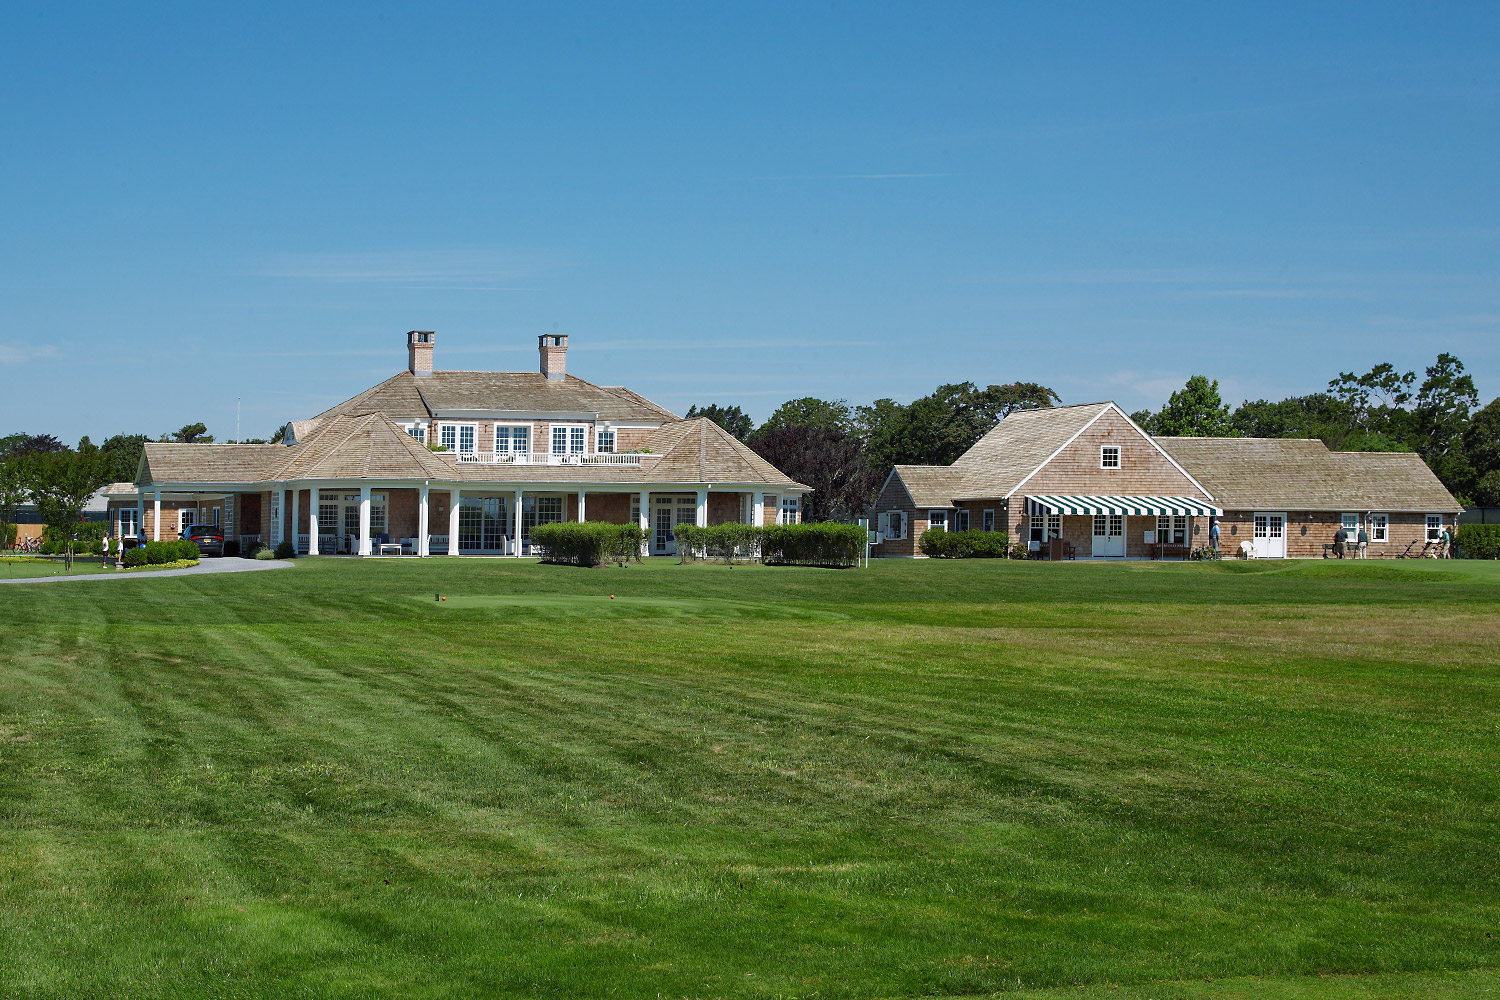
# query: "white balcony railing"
{"type": "Point", "coordinates": [545, 458]}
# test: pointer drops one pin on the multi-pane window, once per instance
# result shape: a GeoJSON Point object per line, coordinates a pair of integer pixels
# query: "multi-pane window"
{"type": "Point", "coordinates": [539, 510]}
{"type": "Point", "coordinates": [937, 519]}
{"type": "Point", "coordinates": [1116, 525]}
{"type": "Point", "coordinates": [988, 521]}
{"type": "Point", "coordinates": [1380, 528]}
{"type": "Point", "coordinates": [1038, 528]}
{"type": "Point", "coordinates": [788, 510]}
{"type": "Point", "coordinates": [328, 518]}
{"type": "Point", "coordinates": [568, 439]}
{"type": "Point", "coordinates": [275, 515]}
{"type": "Point", "coordinates": [1171, 530]}
{"type": "Point", "coordinates": [418, 431]}
{"type": "Point", "coordinates": [351, 520]}
{"type": "Point", "coordinates": [604, 442]}
{"type": "Point", "coordinates": [465, 438]}
{"type": "Point", "coordinates": [129, 526]}
{"type": "Point", "coordinates": [961, 520]}
{"type": "Point", "coordinates": [448, 437]}
{"type": "Point", "coordinates": [1099, 525]}
{"type": "Point", "coordinates": [214, 515]}
{"type": "Point", "coordinates": [1109, 456]}
{"type": "Point", "coordinates": [1350, 524]}
{"type": "Point", "coordinates": [1434, 527]}
{"type": "Point", "coordinates": [378, 520]}
{"type": "Point", "coordinates": [895, 524]}
{"type": "Point", "coordinates": [514, 440]}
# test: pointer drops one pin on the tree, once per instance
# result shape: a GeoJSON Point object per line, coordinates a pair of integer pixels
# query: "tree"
{"type": "Point", "coordinates": [15, 489]}
{"type": "Point", "coordinates": [811, 412]}
{"type": "Point", "coordinates": [1441, 410]}
{"type": "Point", "coordinates": [1195, 410]}
{"type": "Point", "coordinates": [733, 419]}
{"type": "Point", "coordinates": [1481, 442]}
{"type": "Point", "coordinates": [830, 460]}
{"type": "Point", "coordinates": [190, 434]}
{"type": "Point", "coordinates": [62, 483]}
{"type": "Point", "coordinates": [938, 428]}
{"type": "Point", "coordinates": [124, 453]}
{"type": "Point", "coordinates": [30, 444]}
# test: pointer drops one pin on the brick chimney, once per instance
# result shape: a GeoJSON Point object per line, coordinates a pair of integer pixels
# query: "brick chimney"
{"type": "Point", "coordinates": [419, 352]}
{"type": "Point", "coordinates": [554, 350]}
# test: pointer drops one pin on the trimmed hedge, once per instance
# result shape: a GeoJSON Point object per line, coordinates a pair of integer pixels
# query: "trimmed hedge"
{"type": "Point", "coordinates": [1479, 541]}
{"type": "Point", "coordinates": [939, 543]}
{"type": "Point", "coordinates": [160, 553]}
{"type": "Point", "coordinates": [818, 544]}
{"type": "Point", "coordinates": [720, 541]}
{"type": "Point", "coordinates": [589, 543]}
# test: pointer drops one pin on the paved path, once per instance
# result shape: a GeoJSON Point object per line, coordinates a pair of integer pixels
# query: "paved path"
{"type": "Point", "coordinates": [232, 564]}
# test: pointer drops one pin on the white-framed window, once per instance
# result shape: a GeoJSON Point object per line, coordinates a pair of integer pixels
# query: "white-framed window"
{"type": "Point", "coordinates": [215, 516]}
{"type": "Point", "coordinates": [328, 518]}
{"type": "Point", "coordinates": [1380, 527]}
{"type": "Point", "coordinates": [1116, 525]}
{"type": "Point", "coordinates": [465, 438]}
{"type": "Point", "coordinates": [1044, 527]}
{"type": "Point", "coordinates": [130, 527]}
{"type": "Point", "coordinates": [512, 439]}
{"type": "Point", "coordinates": [604, 442]}
{"type": "Point", "coordinates": [448, 436]}
{"type": "Point", "coordinates": [569, 439]}
{"type": "Point", "coordinates": [186, 518]}
{"type": "Point", "coordinates": [378, 520]}
{"type": "Point", "coordinates": [1434, 527]}
{"type": "Point", "coordinates": [1054, 525]}
{"type": "Point", "coordinates": [895, 524]}
{"type": "Point", "coordinates": [988, 520]}
{"type": "Point", "coordinates": [960, 520]}
{"type": "Point", "coordinates": [1171, 530]}
{"type": "Point", "coordinates": [1109, 456]}
{"type": "Point", "coordinates": [418, 431]}
{"type": "Point", "coordinates": [789, 510]}
{"type": "Point", "coordinates": [1099, 525]}
{"type": "Point", "coordinates": [937, 519]}
{"type": "Point", "coordinates": [1350, 524]}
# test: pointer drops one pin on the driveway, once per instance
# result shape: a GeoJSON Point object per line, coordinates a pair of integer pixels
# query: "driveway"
{"type": "Point", "coordinates": [204, 568]}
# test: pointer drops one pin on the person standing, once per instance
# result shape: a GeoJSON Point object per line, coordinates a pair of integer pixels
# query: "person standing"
{"type": "Point", "coordinates": [1364, 542]}
{"type": "Point", "coordinates": [1339, 538]}
{"type": "Point", "coordinates": [1444, 541]}
{"type": "Point", "coordinates": [1213, 533]}
{"type": "Point", "coordinates": [104, 550]}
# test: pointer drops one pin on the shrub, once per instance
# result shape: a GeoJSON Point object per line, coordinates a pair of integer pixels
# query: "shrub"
{"type": "Point", "coordinates": [820, 544]}
{"type": "Point", "coordinates": [1020, 550]}
{"type": "Point", "coordinates": [88, 539]}
{"type": "Point", "coordinates": [1479, 541]}
{"type": "Point", "coordinates": [265, 553]}
{"type": "Point", "coordinates": [135, 557]}
{"type": "Point", "coordinates": [286, 550]}
{"type": "Point", "coordinates": [188, 550]}
{"type": "Point", "coordinates": [941, 544]}
{"type": "Point", "coordinates": [589, 543]}
{"type": "Point", "coordinates": [252, 550]}
{"type": "Point", "coordinates": [720, 541]}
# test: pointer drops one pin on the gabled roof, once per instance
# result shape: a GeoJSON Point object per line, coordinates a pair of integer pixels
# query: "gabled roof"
{"type": "Point", "coordinates": [362, 446]}
{"type": "Point", "coordinates": [1302, 474]}
{"type": "Point", "coordinates": [404, 396]}
{"type": "Point", "coordinates": [931, 485]}
{"type": "Point", "coordinates": [700, 451]}
{"type": "Point", "coordinates": [1018, 445]}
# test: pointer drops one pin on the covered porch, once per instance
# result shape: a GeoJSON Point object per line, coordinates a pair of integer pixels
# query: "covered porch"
{"type": "Point", "coordinates": [1116, 527]}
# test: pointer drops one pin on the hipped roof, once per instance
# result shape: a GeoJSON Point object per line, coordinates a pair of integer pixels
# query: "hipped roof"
{"type": "Point", "coordinates": [404, 396]}
{"type": "Point", "coordinates": [1303, 474]}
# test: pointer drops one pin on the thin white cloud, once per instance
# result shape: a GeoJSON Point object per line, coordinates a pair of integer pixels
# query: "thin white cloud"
{"type": "Point", "coordinates": [471, 268]}
{"type": "Point", "coordinates": [19, 354]}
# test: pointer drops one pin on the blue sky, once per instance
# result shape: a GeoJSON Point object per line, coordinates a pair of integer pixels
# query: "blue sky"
{"type": "Point", "coordinates": [736, 204]}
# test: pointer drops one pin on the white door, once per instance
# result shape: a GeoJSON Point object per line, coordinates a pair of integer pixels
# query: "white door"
{"type": "Point", "coordinates": [1109, 536]}
{"type": "Point", "coordinates": [666, 514]}
{"type": "Point", "coordinates": [1270, 536]}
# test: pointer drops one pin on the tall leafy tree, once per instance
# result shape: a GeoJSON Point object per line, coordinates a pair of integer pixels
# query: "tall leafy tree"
{"type": "Point", "coordinates": [733, 419]}
{"type": "Point", "coordinates": [31, 444]}
{"type": "Point", "coordinates": [811, 412]}
{"type": "Point", "coordinates": [190, 434]}
{"type": "Point", "coordinates": [830, 460]}
{"type": "Point", "coordinates": [1195, 410]}
{"type": "Point", "coordinates": [1440, 413]}
{"type": "Point", "coordinates": [61, 484]}
{"type": "Point", "coordinates": [124, 453]}
{"type": "Point", "coordinates": [15, 489]}
{"type": "Point", "coordinates": [1481, 444]}
{"type": "Point", "coordinates": [938, 428]}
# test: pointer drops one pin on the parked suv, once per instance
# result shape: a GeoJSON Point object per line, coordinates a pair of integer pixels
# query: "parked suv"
{"type": "Point", "coordinates": [209, 538]}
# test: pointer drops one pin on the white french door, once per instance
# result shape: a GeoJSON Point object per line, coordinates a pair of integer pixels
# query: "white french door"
{"type": "Point", "coordinates": [666, 514]}
{"type": "Point", "coordinates": [1270, 536]}
{"type": "Point", "coordinates": [1109, 536]}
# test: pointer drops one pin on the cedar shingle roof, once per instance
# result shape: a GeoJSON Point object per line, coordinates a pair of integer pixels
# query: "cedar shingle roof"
{"type": "Point", "coordinates": [404, 396]}
{"type": "Point", "coordinates": [931, 485]}
{"type": "Point", "coordinates": [1013, 449]}
{"type": "Point", "coordinates": [371, 446]}
{"type": "Point", "coordinates": [1301, 474]}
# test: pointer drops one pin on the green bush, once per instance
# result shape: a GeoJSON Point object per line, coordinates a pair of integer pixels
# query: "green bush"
{"type": "Point", "coordinates": [286, 550]}
{"type": "Point", "coordinates": [589, 543]}
{"type": "Point", "coordinates": [253, 550]}
{"type": "Point", "coordinates": [1020, 550]}
{"type": "Point", "coordinates": [87, 540]}
{"type": "Point", "coordinates": [265, 553]}
{"type": "Point", "coordinates": [135, 557]}
{"type": "Point", "coordinates": [820, 544]}
{"type": "Point", "coordinates": [1479, 541]}
{"type": "Point", "coordinates": [720, 541]}
{"type": "Point", "coordinates": [939, 543]}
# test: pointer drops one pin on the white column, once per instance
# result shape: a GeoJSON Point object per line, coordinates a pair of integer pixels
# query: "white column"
{"type": "Point", "coordinates": [758, 509]}
{"type": "Point", "coordinates": [296, 518]}
{"type": "Point", "coordinates": [156, 514]}
{"type": "Point", "coordinates": [312, 521]}
{"type": "Point", "coordinates": [453, 498]}
{"type": "Point", "coordinates": [702, 515]}
{"type": "Point", "coordinates": [520, 495]}
{"type": "Point", "coordinates": [422, 519]}
{"type": "Point", "coordinates": [364, 520]}
{"type": "Point", "coordinates": [645, 522]}
{"type": "Point", "coordinates": [581, 494]}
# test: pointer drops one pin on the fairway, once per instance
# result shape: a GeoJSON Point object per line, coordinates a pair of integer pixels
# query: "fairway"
{"type": "Point", "coordinates": [1269, 779]}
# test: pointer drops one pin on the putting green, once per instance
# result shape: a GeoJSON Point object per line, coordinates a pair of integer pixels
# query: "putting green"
{"type": "Point", "coordinates": [628, 606]}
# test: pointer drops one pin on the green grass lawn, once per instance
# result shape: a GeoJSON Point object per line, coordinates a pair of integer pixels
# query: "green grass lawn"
{"type": "Point", "coordinates": [29, 566]}
{"type": "Point", "coordinates": [1140, 780]}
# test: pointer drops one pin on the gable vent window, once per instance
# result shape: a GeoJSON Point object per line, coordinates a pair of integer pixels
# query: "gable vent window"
{"type": "Point", "coordinates": [1109, 457]}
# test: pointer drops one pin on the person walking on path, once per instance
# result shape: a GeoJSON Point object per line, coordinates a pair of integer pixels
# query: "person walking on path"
{"type": "Point", "coordinates": [1364, 542]}
{"type": "Point", "coordinates": [1339, 538]}
{"type": "Point", "coordinates": [1444, 541]}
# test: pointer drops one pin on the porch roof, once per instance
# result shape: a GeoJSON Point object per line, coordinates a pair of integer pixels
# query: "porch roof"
{"type": "Point", "coordinates": [1136, 505]}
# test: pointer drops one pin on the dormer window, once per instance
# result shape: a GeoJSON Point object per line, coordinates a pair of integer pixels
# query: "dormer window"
{"type": "Point", "coordinates": [1109, 456]}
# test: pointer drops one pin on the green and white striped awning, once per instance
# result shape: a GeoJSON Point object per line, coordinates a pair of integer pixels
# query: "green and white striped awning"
{"type": "Point", "coordinates": [1180, 506]}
